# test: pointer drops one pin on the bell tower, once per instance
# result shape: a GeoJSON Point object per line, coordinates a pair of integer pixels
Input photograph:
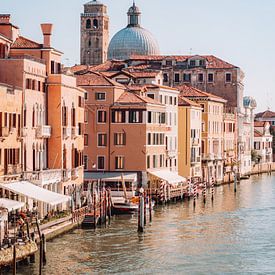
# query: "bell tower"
{"type": "Point", "coordinates": [94, 33]}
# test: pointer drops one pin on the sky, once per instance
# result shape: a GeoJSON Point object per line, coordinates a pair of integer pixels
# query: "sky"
{"type": "Point", "coordinates": [240, 32]}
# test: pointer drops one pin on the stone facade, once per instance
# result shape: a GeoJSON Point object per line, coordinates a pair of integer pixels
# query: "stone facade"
{"type": "Point", "coordinates": [94, 34]}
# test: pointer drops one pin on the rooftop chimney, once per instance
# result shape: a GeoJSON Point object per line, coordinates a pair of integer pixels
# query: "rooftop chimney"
{"type": "Point", "coordinates": [47, 33]}
{"type": "Point", "coordinates": [5, 18]}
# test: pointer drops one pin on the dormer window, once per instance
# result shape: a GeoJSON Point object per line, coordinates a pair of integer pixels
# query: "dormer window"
{"type": "Point", "coordinates": [193, 63]}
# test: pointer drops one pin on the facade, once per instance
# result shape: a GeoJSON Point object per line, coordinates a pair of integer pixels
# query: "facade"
{"type": "Point", "coordinates": [10, 132]}
{"type": "Point", "coordinates": [230, 143]}
{"type": "Point", "coordinates": [189, 138]}
{"type": "Point", "coordinates": [263, 142]}
{"type": "Point", "coordinates": [125, 130]}
{"type": "Point", "coordinates": [268, 116]}
{"type": "Point", "coordinates": [212, 131]}
{"type": "Point", "coordinates": [35, 69]}
{"type": "Point", "coordinates": [94, 33]}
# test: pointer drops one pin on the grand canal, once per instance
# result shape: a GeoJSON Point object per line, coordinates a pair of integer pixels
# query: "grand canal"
{"type": "Point", "coordinates": [233, 235]}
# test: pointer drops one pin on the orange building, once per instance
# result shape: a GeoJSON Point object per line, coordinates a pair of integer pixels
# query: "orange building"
{"type": "Point", "coordinates": [52, 114]}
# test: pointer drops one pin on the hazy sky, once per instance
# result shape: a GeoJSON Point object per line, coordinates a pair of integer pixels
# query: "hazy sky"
{"type": "Point", "coordinates": [238, 31]}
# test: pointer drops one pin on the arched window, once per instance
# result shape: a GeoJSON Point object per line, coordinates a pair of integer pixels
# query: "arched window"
{"type": "Point", "coordinates": [90, 43]}
{"type": "Point", "coordinates": [97, 43]}
{"type": "Point", "coordinates": [88, 24]}
{"type": "Point", "coordinates": [95, 23]}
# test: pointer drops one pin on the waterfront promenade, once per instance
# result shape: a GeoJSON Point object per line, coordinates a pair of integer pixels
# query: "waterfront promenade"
{"type": "Point", "coordinates": [234, 234]}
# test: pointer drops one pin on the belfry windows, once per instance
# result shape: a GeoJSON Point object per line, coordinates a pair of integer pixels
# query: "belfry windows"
{"type": "Point", "coordinates": [88, 24]}
{"type": "Point", "coordinates": [95, 23]}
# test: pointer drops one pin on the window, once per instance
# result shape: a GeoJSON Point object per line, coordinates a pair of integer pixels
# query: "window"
{"type": "Point", "coordinates": [210, 77]}
{"type": "Point", "coordinates": [119, 162]}
{"type": "Point", "coordinates": [149, 118]}
{"type": "Point", "coordinates": [165, 78]}
{"type": "Point", "coordinates": [149, 139]}
{"type": "Point", "coordinates": [100, 96]}
{"type": "Point", "coordinates": [101, 116]}
{"type": "Point", "coordinates": [88, 24]}
{"type": "Point", "coordinates": [102, 140]}
{"type": "Point", "coordinates": [148, 162]}
{"type": "Point", "coordinates": [228, 77]}
{"type": "Point", "coordinates": [151, 96]}
{"type": "Point", "coordinates": [119, 116]}
{"type": "Point", "coordinates": [86, 115]}
{"type": "Point", "coordinates": [85, 95]}
{"type": "Point", "coordinates": [171, 100]}
{"type": "Point", "coordinates": [100, 162]}
{"type": "Point", "coordinates": [85, 140]}
{"type": "Point", "coordinates": [155, 160]}
{"type": "Point", "coordinates": [200, 77]}
{"type": "Point", "coordinates": [80, 102]}
{"type": "Point", "coordinates": [175, 101]}
{"type": "Point", "coordinates": [95, 23]}
{"type": "Point", "coordinates": [177, 77]}
{"type": "Point", "coordinates": [187, 77]}
{"type": "Point", "coordinates": [120, 139]}
{"type": "Point", "coordinates": [192, 63]}
{"type": "Point", "coordinates": [85, 160]}
{"type": "Point", "coordinates": [135, 116]}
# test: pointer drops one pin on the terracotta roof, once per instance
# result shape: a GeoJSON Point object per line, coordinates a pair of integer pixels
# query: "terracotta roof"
{"type": "Point", "coordinates": [259, 123]}
{"type": "Point", "coordinates": [212, 61]}
{"type": "Point", "coordinates": [95, 79]}
{"type": "Point", "coordinates": [79, 68]}
{"type": "Point", "coordinates": [191, 92]}
{"type": "Point", "coordinates": [183, 101]}
{"type": "Point", "coordinates": [25, 43]}
{"type": "Point", "coordinates": [266, 114]}
{"type": "Point", "coordinates": [130, 97]}
{"type": "Point", "coordinates": [145, 74]}
{"type": "Point", "coordinates": [110, 65]}
{"type": "Point", "coordinates": [257, 133]}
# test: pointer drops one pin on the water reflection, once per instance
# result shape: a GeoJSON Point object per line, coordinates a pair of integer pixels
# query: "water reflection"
{"type": "Point", "coordinates": [234, 234]}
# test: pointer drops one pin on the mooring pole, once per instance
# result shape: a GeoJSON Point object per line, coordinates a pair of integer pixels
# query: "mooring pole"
{"type": "Point", "coordinates": [14, 259]}
{"type": "Point", "coordinates": [40, 258]}
{"type": "Point", "coordinates": [194, 193]}
{"type": "Point", "coordinates": [212, 189]}
{"type": "Point", "coordinates": [141, 212]}
{"type": "Point", "coordinates": [235, 182]}
{"type": "Point", "coordinates": [44, 249]}
{"type": "Point", "coordinates": [145, 206]}
{"type": "Point", "coordinates": [204, 192]}
{"type": "Point", "coordinates": [95, 211]}
{"type": "Point", "coordinates": [150, 206]}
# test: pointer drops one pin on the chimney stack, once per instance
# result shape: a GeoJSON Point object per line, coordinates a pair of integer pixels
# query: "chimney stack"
{"type": "Point", "coordinates": [47, 33]}
{"type": "Point", "coordinates": [5, 18]}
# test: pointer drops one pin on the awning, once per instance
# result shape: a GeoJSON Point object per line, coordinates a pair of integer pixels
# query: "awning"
{"type": "Point", "coordinates": [10, 204]}
{"type": "Point", "coordinates": [169, 176]}
{"type": "Point", "coordinates": [35, 192]}
{"type": "Point", "coordinates": [110, 176]}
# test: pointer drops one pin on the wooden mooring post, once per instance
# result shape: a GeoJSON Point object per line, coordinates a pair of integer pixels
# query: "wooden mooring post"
{"type": "Point", "coordinates": [14, 259]}
{"type": "Point", "coordinates": [204, 192]}
{"type": "Point", "coordinates": [235, 182]}
{"type": "Point", "coordinates": [150, 206]}
{"type": "Point", "coordinates": [44, 249]}
{"type": "Point", "coordinates": [212, 189]}
{"type": "Point", "coordinates": [145, 220]}
{"type": "Point", "coordinates": [94, 205]}
{"type": "Point", "coordinates": [141, 213]}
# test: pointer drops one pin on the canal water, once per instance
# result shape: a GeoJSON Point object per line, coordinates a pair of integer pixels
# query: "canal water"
{"type": "Point", "coordinates": [233, 235]}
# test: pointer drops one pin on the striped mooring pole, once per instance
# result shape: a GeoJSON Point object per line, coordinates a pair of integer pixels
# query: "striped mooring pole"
{"type": "Point", "coordinates": [235, 182]}
{"type": "Point", "coordinates": [204, 192]}
{"type": "Point", "coordinates": [212, 189]}
{"type": "Point", "coordinates": [189, 188]}
{"type": "Point", "coordinates": [195, 193]}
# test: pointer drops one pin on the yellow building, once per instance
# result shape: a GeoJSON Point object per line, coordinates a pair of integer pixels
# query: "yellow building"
{"type": "Point", "coordinates": [212, 131]}
{"type": "Point", "coordinates": [189, 139]}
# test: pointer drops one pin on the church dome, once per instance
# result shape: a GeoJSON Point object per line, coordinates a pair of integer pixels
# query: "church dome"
{"type": "Point", "coordinates": [133, 39]}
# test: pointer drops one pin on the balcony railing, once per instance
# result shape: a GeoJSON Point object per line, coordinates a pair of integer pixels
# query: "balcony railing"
{"type": "Point", "coordinates": [66, 174]}
{"type": "Point", "coordinates": [75, 132]}
{"type": "Point", "coordinates": [44, 177]}
{"type": "Point", "coordinates": [66, 132]}
{"type": "Point", "coordinates": [208, 156]}
{"type": "Point", "coordinates": [4, 132]}
{"type": "Point", "coordinates": [195, 141]}
{"type": "Point", "coordinates": [43, 131]}
{"type": "Point", "coordinates": [13, 169]}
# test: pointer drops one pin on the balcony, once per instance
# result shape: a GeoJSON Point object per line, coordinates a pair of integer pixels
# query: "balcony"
{"type": "Point", "coordinates": [208, 157]}
{"type": "Point", "coordinates": [66, 174]}
{"type": "Point", "coordinates": [76, 172]}
{"type": "Point", "coordinates": [75, 132]}
{"type": "Point", "coordinates": [4, 132]}
{"type": "Point", "coordinates": [43, 131]}
{"type": "Point", "coordinates": [44, 177]}
{"type": "Point", "coordinates": [13, 169]}
{"type": "Point", "coordinates": [195, 141]}
{"type": "Point", "coordinates": [66, 132]}
{"type": "Point", "coordinates": [195, 160]}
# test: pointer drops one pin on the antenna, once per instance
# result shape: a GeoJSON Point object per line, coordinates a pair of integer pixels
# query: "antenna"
{"type": "Point", "coordinates": [190, 51]}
